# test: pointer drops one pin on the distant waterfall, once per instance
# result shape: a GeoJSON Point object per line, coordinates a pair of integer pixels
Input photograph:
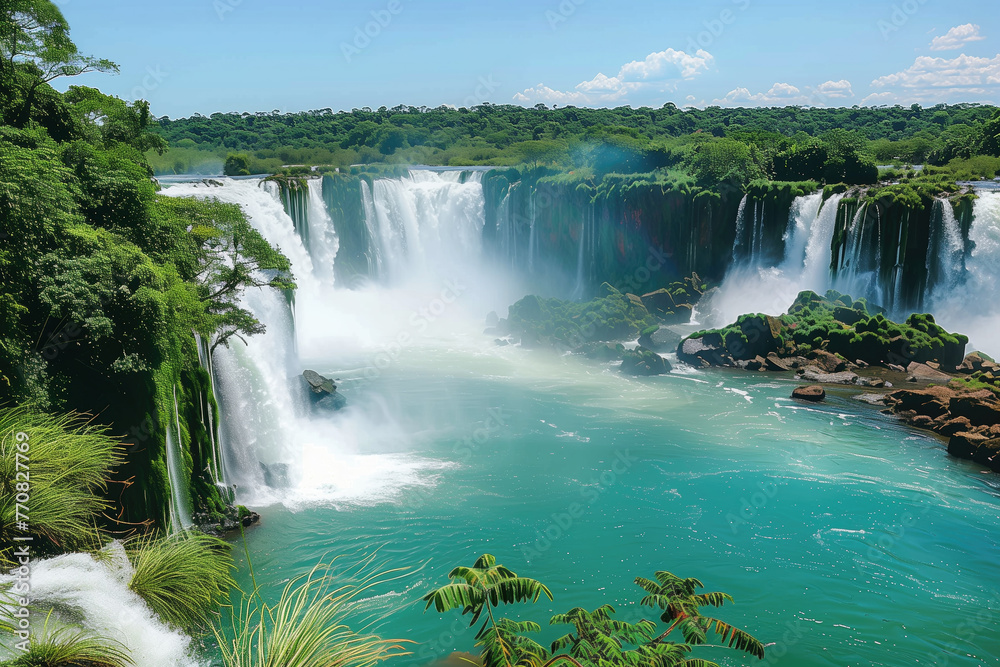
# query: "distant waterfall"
{"type": "Point", "coordinates": [750, 287]}
{"type": "Point", "coordinates": [424, 221]}
{"type": "Point", "coordinates": [946, 249]}
{"type": "Point", "coordinates": [323, 242]}
{"type": "Point", "coordinates": [969, 303]}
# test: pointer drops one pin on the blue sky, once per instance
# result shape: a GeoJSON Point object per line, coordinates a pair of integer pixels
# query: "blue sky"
{"type": "Point", "coordinates": [204, 56]}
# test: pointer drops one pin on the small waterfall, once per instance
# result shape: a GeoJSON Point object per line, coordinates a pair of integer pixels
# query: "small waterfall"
{"type": "Point", "coordinates": [741, 223]}
{"type": "Point", "coordinates": [323, 242]}
{"type": "Point", "coordinates": [93, 593]}
{"type": "Point", "coordinates": [180, 501]}
{"type": "Point", "coordinates": [532, 238]}
{"type": "Point", "coordinates": [946, 249]}
{"type": "Point", "coordinates": [374, 254]}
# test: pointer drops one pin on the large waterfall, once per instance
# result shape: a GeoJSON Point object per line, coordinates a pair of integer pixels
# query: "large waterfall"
{"type": "Point", "coordinates": [429, 280]}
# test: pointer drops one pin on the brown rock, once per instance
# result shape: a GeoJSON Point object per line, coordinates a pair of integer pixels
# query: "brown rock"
{"type": "Point", "coordinates": [981, 408]}
{"type": "Point", "coordinates": [965, 445]}
{"type": "Point", "coordinates": [955, 425]}
{"type": "Point", "coordinates": [922, 421]}
{"type": "Point", "coordinates": [988, 453]}
{"type": "Point", "coordinates": [776, 363]}
{"type": "Point", "coordinates": [925, 373]}
{"type": "Point", "coordinates": [814, 393]}
{"type": "Point", "coordinates": [829, 363]}
{"type": "Point", "coordinates": [895, 368]}
{"type": "Point", "coordinates": [813, 374]}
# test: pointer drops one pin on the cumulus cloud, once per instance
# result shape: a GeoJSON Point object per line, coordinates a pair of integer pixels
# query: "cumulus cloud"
{"type": "Point", "coordinates": [931, 73]}
{"type": "Point", "coordinates": [658, 72]}
{"type": "Point", "coordinates": [783, 94]}
{"type": "Point", "coordinates": [957, 37]}
{"type": "Point", "coordinates": [836, 89]}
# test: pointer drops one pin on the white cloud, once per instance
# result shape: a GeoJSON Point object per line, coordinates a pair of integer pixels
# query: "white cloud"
{"type": "Point", "coordinates": [931, 73]}
{"type": "Point", "coordinates": [957, 37]}
{"type": "Point", "coordinates": [780, 94]}
{"type": "Point", "coordinates": [658, 72]}
{"type": "Point", "coordinates": [836, 89]}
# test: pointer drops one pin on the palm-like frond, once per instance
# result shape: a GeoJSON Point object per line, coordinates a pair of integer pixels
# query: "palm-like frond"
{"type": "Point", "coordinates": [738, 639]}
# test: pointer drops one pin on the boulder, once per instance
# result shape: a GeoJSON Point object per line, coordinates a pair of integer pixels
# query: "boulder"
{"type": "Point", "coordinates": [988, 454]}
{"type": "Point", "coordinates": [706, 351]}
{"type": "Point", "coordinates": [813, 374]}
{"type": "Point", "coordinates": [323, 394]}
{"type": "Point", "coordinates": [662, 340]}
{"type": "Point", "coordinates": [641, 361]}
{"type": "Point", "coordinates": [660, 302]}
{"type": "Point", "coordinates": [950, 427]}
{"type": "Point", "coordinates": [974, 363]}
{"type": "Point", "coordinates": [925, 373]}
{"type": "Point", "coordinates": [776, 363]}
{"type": "Point", "coordinates": [964, 445]}
{"type": "Point", "coordinates": [980, 407]}
{"type": "Point", "coordinates": [934, 401]}
{"type": "Point", "coordinates": [318, 384]}
{"type": "Point", "coordinates": [827, 362]}
{"type": "Point", "coordinates": [604, 351]}
{"type": "Point", "coordinates": [813, 394]}
{"type": "Point", "coordinates": [871, 399]}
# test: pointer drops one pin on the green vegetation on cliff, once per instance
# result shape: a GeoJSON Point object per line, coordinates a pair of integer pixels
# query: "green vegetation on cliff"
{"type": "Point", "coordinates": [104, 283]}
{"type": "Point", "coordinates": [835, 323]}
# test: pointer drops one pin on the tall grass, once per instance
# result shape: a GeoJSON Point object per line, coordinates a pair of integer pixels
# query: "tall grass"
{"type": "Point", "coordinates": [307, 627]}
{"type": "Point", "coordinates": [65, 467]}
{"type": "Point", "coordinates": [71, 647]}
{"type": "Point", "coordinates": [183, 578]}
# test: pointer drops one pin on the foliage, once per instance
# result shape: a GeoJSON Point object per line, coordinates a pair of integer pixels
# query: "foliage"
{"type": "Point", "coordinates": [71, 647]}
{"type": "Point", "coordinates": [609, 317]}
{"type": "Point", "coordinates": [853, 329]}
{"type": "Point", "coordinates": [597, 638]}
{"type": "Point", "coordinates": [307, 627]}
{"type": "Point", "coordinates": [70, 464]}
{"type": "Point", "coordinates": [183, 577]}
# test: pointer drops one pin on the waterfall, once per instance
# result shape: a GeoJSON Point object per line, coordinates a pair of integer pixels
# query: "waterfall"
{"type": "Point", "coordinates": [322, 235]}
{"type": "Point", "coordinates": [431, 283]}
{"type": "Point", "coordinates": [741, 223]}
{"type": "Point", "coordinates": [425, 220]}
{"type": "Point", "coordinates": [969, 304]}
{"type": "Point", "coordinates": [946, 248]}
{"type": "Point", "coordinates": [180, 499]}
{"type": "Point", "coordinates": [749, 287]}
{"type": "Point", "coordinates": [93, 593]}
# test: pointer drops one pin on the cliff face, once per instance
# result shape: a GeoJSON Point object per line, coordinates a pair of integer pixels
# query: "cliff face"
{"type": "Point", "coordinates": [582, 235]}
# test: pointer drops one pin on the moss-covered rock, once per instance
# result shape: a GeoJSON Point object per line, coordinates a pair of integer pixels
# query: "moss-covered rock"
{"type": "Point", "coordinates": [832, 324]}
{"type": "Point", "coordinates": [612, 316]}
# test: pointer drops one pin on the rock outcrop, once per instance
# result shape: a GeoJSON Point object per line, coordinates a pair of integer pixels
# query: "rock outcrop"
{"type": "Point", "coordinates": [323, 394]}
{"type": "Point", "coordinates": [641, 361]}
{"type": "Point", "coordinates": [813, 394]}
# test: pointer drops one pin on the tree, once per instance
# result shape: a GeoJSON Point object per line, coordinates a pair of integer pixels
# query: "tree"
{"type": "Point", "coordinates": [35, 49]}
{"type": "Point", "coordinates": [479, 589]}
{"type": "Point", "coordinates": [237, 164]}
{"type": "Point", "coordinates": [681, 605]}
{"type": "Point", "coordinates": [598, 639]}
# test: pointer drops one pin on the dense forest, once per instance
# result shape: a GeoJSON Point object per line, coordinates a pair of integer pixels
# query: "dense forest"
{"type": "Point", "coordinates": [789, 143]}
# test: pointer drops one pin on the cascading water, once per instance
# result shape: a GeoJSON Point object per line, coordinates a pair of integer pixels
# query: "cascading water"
{"type": "Point", "coordinates": [426, 242]}
{"type": "Point", "coordinates": [324, 243]}
{"type": "Point", "coordinates": [946, 249]}
{"type": "Point", "coordinates": [806, 265]}
{"type": "Point", "coordinates": [94, 594]}
{"type": "Point", "coordinates": [180, 504]}
{"type": "Point", "coordinates": [968, 303]}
